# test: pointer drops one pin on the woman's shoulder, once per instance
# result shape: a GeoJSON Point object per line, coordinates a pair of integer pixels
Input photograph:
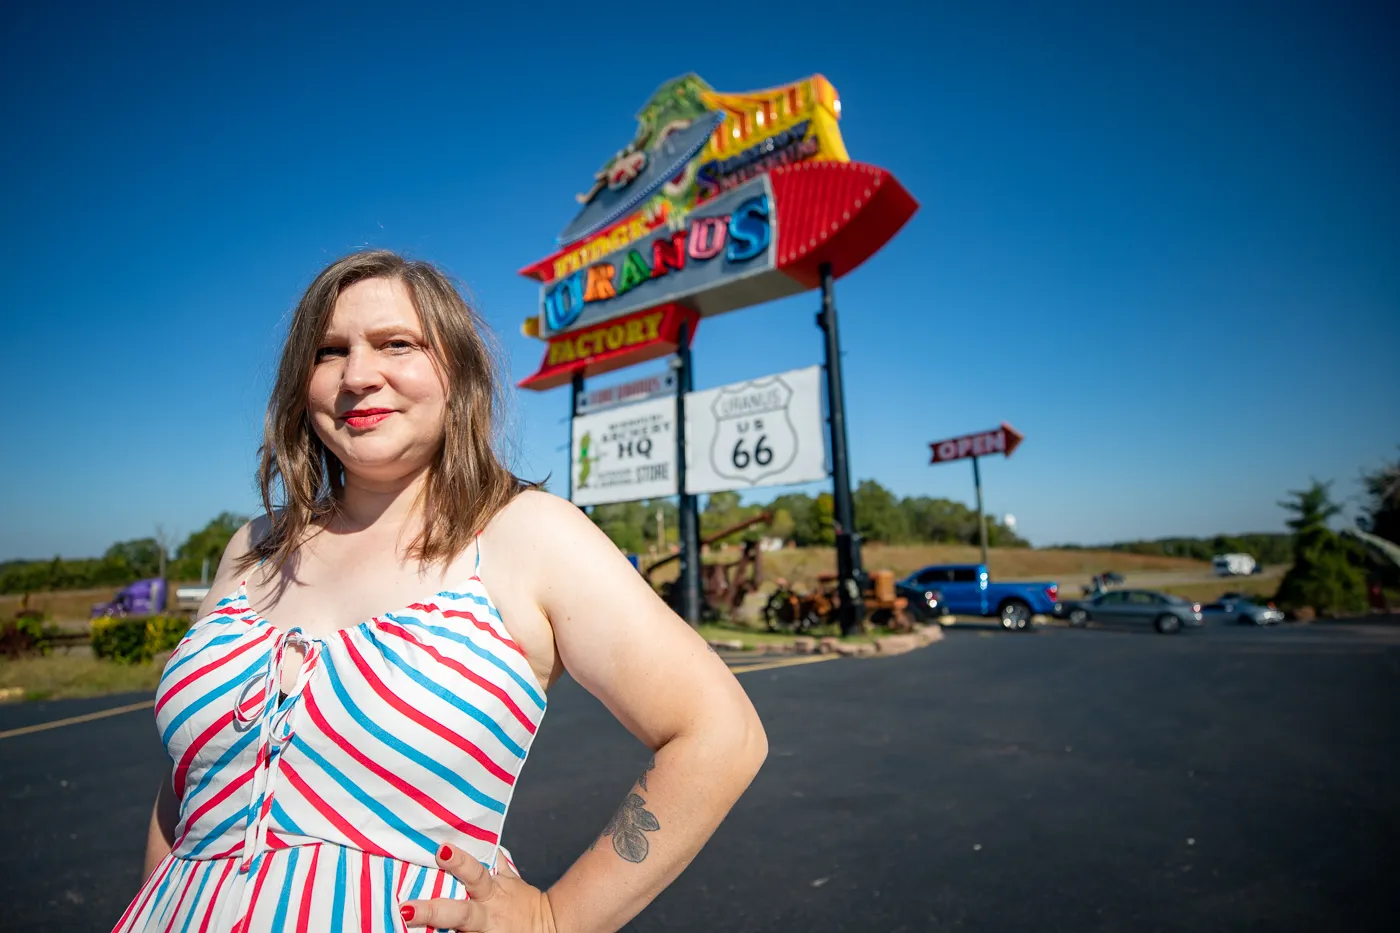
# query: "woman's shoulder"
{"type": "Point", "coordinates": [232, 569]}
{"type": "Point", "coordinates": [533, 512]}
{"type": "Point", "coordinates": [540, 526]}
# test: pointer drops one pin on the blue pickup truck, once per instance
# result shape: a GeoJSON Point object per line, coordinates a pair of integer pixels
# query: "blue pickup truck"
{"type": "Point", "coordinates": [967, 590]}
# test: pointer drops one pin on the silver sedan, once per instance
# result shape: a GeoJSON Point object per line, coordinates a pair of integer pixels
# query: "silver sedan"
{"type": "Point", "coordinates": [1243, 610]}
{"type": "Point", "coordinates": [1164, 612]}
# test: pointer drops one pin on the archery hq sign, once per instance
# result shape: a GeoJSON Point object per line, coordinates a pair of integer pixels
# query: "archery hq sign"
{"type": "Point", "coordinates": [625, 453]}
{"type": "Point", "coordinates": [719, 202]}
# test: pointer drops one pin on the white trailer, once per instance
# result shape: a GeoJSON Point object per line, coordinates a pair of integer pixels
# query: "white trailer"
{"type": "Point", "coordinates": [1233, 565]}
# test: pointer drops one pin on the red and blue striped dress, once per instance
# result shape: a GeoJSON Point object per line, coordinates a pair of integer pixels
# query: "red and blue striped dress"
{"type": "Point", "coordinates": [323, 811]}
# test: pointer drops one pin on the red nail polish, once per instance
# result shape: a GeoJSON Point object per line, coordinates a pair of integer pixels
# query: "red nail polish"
{"type": "Point", "coordinates": [445, 853]}
{"type": "Point", "coordinates": [407, 913]}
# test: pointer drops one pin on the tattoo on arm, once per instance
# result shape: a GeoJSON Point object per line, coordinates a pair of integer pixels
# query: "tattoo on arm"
{"type": "Point", "coordinates": [630, 824]}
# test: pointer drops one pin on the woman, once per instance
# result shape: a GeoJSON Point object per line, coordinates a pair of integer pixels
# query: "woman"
{"type": "Point", "coordinates": [348, 716]}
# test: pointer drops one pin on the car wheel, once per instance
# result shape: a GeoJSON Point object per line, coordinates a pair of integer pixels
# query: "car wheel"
{"type": "Point", "coordinates": [1246, 620]}
{"type": "Point", "coordinates": [1015, 616]}
{"type": "Point", "coordinates": [1168, 624]}
{"type": "Point", "coordinates": [1078, 618]}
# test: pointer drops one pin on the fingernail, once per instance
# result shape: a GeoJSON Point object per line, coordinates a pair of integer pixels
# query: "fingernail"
{"type": "Point", "coordinates": [407, 913]}
{"type": "Point", "coordinates": [445, 853]}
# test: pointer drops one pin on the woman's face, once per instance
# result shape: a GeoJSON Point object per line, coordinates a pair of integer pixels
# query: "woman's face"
{"type": "Point", "coordinates": [377, 398]}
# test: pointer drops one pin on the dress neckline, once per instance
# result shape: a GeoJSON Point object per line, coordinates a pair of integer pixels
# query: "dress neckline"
{"type": "Point", "coordinates": [344, 631]}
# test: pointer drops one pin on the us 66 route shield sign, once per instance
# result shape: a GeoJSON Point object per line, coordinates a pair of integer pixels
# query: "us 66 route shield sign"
{"type": "Point", "coordinates": [764, 432]}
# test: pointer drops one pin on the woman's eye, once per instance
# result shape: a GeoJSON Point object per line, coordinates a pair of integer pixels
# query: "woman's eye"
{"type": "Point", "coordinates": [327, 352]}
{"type": "Point", "coordinates": [399, 345]}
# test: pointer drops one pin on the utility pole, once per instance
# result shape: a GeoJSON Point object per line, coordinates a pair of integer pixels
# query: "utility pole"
{"type": "Point", "coordinates": [848, 565]}
{"type": "Point", "coordinates": [689, 582]}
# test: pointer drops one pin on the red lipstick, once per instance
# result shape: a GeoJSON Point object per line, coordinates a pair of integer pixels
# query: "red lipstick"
{"type": "Point", "coordinates": [362, 418]}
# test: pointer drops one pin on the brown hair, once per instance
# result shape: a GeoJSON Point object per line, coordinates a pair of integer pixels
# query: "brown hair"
{"type": "Point", "coordinates": [467, 483]}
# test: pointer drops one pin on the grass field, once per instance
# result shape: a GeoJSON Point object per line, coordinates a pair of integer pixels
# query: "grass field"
{"type": "Point", "coordinates": [79, 674]}
{"type": "Point", "coordinates": [68, 608]}
{"type": "Point", "coordinates": [800, 566]}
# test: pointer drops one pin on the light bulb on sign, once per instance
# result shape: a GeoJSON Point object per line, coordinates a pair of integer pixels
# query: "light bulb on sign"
{"type": "Point", "coordinates": [759, 117]}
{"type": "Point", "coordinates": [836, 105]}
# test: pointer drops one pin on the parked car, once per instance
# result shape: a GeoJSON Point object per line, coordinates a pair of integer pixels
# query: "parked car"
{"type": "Point", "coordinates": [967, 590]}
{"type": "Point", "coordinates": [1166, 613]}
{"type": "Point", "coordinates": [1241, 608]}
{"type": "Point", "coordinates": [925, 604]}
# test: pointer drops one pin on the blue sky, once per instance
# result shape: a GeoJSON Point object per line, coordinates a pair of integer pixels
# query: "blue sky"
{"type": "Point", "coordinates": [1161, 239]}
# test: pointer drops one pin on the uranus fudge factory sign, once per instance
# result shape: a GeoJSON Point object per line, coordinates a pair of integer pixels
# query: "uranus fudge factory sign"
{"type": "Point", "coordinates": [719, 202]}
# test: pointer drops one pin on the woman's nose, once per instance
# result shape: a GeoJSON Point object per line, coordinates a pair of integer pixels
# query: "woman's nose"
{"type": "Point", "coordinates": [361, 370]}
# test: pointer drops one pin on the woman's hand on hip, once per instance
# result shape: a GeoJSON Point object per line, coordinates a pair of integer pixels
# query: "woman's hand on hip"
{"type": "Point", "coordinates": [500, 903]}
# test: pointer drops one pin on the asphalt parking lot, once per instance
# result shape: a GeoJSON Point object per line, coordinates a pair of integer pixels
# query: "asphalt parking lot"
{"type": "Point", "coordinates": [1223, 779]}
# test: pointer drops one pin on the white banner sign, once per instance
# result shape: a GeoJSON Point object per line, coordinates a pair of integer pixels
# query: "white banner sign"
{"type": "Point", "coordinates": [625, 453]}
{"type": "Point", "coordinates": [635, 391]}
{"type": "Point", "coordinates": [764, 432]}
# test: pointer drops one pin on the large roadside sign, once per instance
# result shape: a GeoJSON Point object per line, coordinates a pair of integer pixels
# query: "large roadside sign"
{"type": "Point", "coordinates": [763, 432]}
{"type": "Point", "coordinates": [625, 453]}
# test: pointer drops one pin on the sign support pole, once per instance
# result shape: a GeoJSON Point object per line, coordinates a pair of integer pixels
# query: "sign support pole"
{"type": "Point", "coordinates": [574, 395]}
{"type": "Point", "coordinates": [689, 527]}
{"type": "Point", "coordinates": [981, 519]}
{"type": "Point", "coordinates": [848, 567]}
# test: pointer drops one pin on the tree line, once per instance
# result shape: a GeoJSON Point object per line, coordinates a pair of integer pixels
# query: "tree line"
{"type": "Point", "coordinates": [124, 562]}
{"type": "Point", "coordinates": [1328, 570]}
{"type": "Point", "coordinates": [803, 520]}
{"type": "Point", "coordinates": [1267, 548]}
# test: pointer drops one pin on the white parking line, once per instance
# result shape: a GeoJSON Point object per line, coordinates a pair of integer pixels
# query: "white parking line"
{"type": "Point", "coordinates": [74, 720]}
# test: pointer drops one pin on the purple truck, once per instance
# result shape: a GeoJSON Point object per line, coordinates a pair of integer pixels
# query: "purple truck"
{"type": "Point", "coordinates": [142, 598]}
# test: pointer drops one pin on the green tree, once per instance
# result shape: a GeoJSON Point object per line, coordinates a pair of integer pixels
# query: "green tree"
{"type": "Point", "coordinates": [801, 510]}
{"type": "Point", "coordinates": [823, 521]}
{"type": "Point", "coordinates": [206, 543]}
{"type": "Point", "coordinates": [134, 560]}
{"type": "Point", "coordinates": [1383, 501]}
{"type": "Point", "coordinates": [1326, 572]}
{"type": "Point", "coordinates": [878, 514]}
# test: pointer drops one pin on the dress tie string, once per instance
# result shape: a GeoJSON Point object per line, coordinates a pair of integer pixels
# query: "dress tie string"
{"type": "Point", "coordinates": [273, 719]}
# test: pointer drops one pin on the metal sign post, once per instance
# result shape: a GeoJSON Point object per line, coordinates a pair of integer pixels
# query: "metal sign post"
{"type": "Point", "coordinates": [848, 569]}
{"type": "Point", "coordinates": [981, 518]}
{"type": "Point", "coordinates": [1002, 440]}
{"type": "Point", "coordinates": [575, 394]}
{"type": "Point", "coordinates": [689, 528]}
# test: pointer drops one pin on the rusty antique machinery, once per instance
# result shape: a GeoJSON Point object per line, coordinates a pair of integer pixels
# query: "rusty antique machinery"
{"type": "Point", "coordinates": [723, 586]}
{"type": "Point", "coordinates": [791, 610]}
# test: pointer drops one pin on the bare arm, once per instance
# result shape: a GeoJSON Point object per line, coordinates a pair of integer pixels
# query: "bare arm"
{"type": "Point", "coordinates": [160, 837]}
{"type": "Point", "coordinates": [652, 671]}
{"type": "Point", "coordinates": [165, 815]}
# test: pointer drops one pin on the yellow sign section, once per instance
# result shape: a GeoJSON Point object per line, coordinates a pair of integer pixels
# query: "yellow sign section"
{"type": "Point", "coordinates": [759, 115]}
{"type": "Point", "coordinates": [613, 335]}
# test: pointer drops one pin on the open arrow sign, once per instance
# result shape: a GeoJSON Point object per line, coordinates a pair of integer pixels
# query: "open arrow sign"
{"type": "Point", "coordinates": [1000, 440]}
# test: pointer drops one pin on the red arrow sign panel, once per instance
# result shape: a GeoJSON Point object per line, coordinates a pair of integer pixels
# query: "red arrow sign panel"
{"type": "Point", "coordinates": [1001, 440]}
